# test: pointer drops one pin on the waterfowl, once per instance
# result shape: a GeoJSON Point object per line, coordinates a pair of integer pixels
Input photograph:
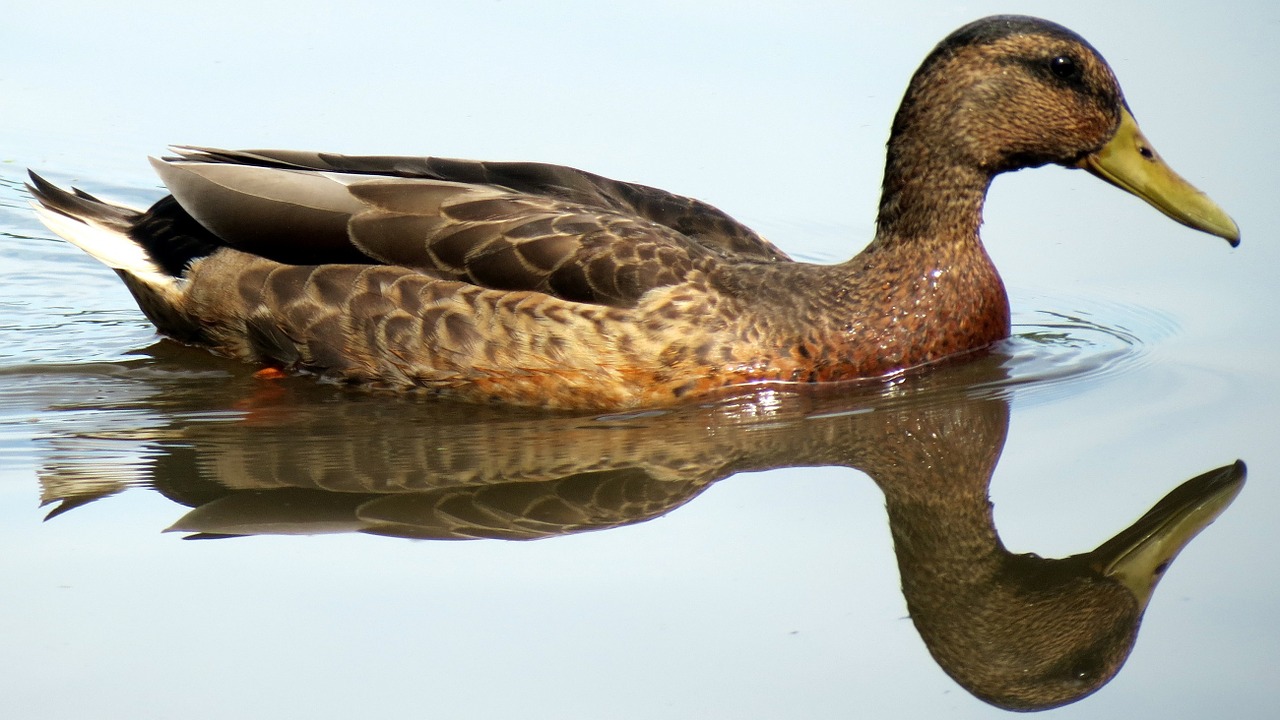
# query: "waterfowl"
{"type": "Point", "coordinates": [542, 285]}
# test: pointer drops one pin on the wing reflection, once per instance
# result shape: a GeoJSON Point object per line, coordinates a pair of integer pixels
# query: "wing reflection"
{"type": "Point", "coordinates": [1017, 630]}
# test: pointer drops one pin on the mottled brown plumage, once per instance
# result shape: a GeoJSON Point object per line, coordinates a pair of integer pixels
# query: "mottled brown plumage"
{"type": "Point", "coordinates": [542, 285]}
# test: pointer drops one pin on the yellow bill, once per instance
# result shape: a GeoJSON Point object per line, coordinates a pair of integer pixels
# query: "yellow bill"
{"type": "Point", "coordinates": [1130, 163]}
{"type": "Point", "coordinates": [1138, 556]}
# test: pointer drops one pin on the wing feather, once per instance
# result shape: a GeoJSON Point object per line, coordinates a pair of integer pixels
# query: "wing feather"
{"type": "Point", "coordinates": [693, 218]}
{"type": "Point", "coordinates": [507, 241]}
{"type": "Point", "coordinates": [507, 226]}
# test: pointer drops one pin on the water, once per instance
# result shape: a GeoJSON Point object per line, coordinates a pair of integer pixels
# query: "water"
{"type": "Point", "coordinates": [768, 583]}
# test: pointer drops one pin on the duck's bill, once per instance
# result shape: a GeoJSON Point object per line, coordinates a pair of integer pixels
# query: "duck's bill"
{"type": "Point", "coordinates": [1138, 556]}
{"type": "Point", "coordinates": [1129, 162]}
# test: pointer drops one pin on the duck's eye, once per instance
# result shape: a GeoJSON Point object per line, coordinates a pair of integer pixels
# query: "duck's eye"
{"type": "Point", "coordinates": [1064, 67]}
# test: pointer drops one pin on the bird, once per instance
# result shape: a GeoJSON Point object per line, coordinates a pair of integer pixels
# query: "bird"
{"type": "Point", "coordinates": [531, 284]}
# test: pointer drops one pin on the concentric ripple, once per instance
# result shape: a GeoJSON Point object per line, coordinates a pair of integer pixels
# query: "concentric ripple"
{"type": "Point", "coordinates": [1059, 343]}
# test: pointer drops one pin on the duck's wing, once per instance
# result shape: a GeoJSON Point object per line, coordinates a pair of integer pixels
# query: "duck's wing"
{"type": "Point", "coordinates": [575, 243]}
{"type": "Point", "coordinates": [694, 219]}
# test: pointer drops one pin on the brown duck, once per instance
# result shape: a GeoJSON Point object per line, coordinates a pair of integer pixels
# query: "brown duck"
{"type": "Point", "coordinates": [542, 285]}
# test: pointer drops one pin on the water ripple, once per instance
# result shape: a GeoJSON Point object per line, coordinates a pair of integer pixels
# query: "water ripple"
{"type": "Point", "coordinates": [1060, 344]}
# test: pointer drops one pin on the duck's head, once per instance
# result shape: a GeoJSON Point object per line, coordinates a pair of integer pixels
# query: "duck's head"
{"type": "Point", "coordinates": [1041, 632]}
{"type": "Point", "coordinates": [1010, 92]}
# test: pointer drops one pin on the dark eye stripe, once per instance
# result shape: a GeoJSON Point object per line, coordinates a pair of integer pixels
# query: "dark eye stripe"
{"type": "Point", "coordinates": [1063, 69]}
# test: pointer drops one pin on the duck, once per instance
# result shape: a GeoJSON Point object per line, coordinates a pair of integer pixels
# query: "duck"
{"type": "Point", "coordinates": [531, 284]}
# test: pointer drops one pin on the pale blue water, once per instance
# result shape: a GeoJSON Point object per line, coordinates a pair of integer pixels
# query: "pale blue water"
{"type": "Point", "coordinates": [1145, 354]}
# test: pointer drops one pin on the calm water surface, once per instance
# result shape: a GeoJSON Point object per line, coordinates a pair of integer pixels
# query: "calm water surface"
{"type": "Point", "coordinates": [762, 557]}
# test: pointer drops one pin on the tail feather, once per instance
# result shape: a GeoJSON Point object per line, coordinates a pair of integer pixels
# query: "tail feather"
{"type": "Point", "coordinates": [79, 203]}
{"type": "Point", "coordinates": [99, 228]}
{"type": "Point", "coordinates": [155, 245]}
{"type": "Point", "coordinates": [150, 250]}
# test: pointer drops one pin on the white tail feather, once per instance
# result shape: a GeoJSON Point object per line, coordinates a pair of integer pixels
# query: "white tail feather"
{"type": "Point", "coordinates": [111, 247]}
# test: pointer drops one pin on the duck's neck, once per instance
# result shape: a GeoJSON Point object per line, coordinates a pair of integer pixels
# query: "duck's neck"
{"type": "Point", "coordinates": [947, 545]}
{"type": "Point", "coordinates": [934, 466]}
{"type": "Point", "coordinates": [935, 481]}
{"type": "Point", "coordinates": [924, 289]}
{"type": "Point", "coordinates": [928, 198]}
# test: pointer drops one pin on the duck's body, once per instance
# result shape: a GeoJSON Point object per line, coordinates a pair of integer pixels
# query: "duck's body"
{"type": "Point", "coordinates": [542, 285]}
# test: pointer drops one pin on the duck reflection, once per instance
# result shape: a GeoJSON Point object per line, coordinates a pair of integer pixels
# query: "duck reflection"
{"type": "Point", "coordinates": [1016, 630]}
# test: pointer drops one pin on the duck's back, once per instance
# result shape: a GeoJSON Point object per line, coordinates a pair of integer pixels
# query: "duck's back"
{"type": "Point", "coordinates": [505, 226]}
